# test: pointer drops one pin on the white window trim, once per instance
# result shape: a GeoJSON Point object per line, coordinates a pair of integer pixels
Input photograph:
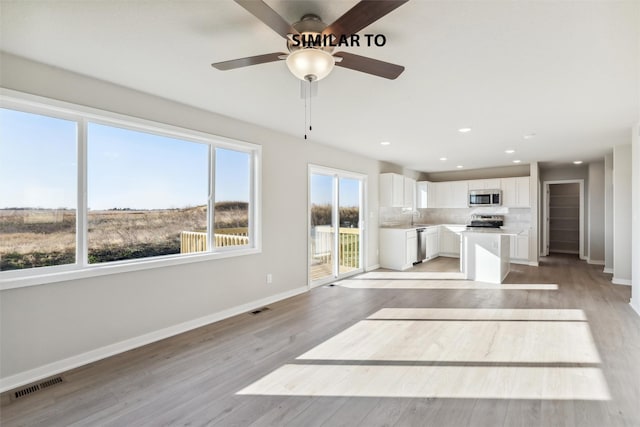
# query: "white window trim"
{"type": "Point", "coordinates": [82, 115]}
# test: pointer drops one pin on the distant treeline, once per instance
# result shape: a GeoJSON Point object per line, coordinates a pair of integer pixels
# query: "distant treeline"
{"type": "Point", "coordinates": [321, 215]}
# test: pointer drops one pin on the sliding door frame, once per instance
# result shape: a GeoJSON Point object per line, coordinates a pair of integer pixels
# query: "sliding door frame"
{"type": "Point", "coordinates": [336, 174]}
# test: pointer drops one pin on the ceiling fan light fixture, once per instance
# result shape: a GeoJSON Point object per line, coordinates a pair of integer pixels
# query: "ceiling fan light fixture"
{"type": "Point", "coordinates": [310, 64]}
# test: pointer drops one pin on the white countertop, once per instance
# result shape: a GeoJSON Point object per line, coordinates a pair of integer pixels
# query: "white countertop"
{"type": "Point", "coordinates": [413, 227]}
{"type": "Point", "coordinates": [480, 230]}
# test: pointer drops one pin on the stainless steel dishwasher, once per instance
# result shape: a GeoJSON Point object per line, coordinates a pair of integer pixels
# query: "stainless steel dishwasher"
{"type": "Point", "coordinates": [422, 245]}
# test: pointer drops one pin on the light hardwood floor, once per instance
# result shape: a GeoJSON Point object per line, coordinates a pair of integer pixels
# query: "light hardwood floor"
{"type": "Point", "coordinates": [381, 349]}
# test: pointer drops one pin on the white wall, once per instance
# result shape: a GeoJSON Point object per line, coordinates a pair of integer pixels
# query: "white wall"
{"type": "Point", "coordinates": [52, 327]}
{"type": "Point", "coordinates": [635, 290]}
{"type": "Point", "coordinates": [534, 194]}
{"type": "Point", "coordinates": [608, 213]}
{"type": "Point", "coordinates": [622, 214]}
{"type": "Point", "coordinates": [595, 229]}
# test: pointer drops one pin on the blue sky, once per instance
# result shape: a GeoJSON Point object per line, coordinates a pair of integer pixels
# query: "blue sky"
{"type": "Point", "coordinates": [126, 169]}
{"type": "Point", "coordinates": [322, 189]}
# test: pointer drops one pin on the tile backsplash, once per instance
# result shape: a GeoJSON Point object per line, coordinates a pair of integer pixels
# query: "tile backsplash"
{"type": "Point", "coordinates": [513, 217]}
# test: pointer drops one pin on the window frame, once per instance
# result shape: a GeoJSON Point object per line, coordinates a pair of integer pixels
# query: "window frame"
{"type": "Point", "coordinates": [83, 115]}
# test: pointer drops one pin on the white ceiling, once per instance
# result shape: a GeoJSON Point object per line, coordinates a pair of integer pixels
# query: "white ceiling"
{"type": "Point", "coordinates": [567, 71]}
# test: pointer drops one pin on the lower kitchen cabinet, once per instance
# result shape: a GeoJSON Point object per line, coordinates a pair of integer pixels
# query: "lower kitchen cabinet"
{"type": "Point", "coordinates": [519, 251]}
{"type": "Point", "coordinates": [450, 240]}
{"type": "Point", "coordinates": [398, 248]}
{"type": "Point", "coordinates": [433, 242]}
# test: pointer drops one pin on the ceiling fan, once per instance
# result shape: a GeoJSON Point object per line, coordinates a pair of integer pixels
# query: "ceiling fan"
{"type": "Point", "coordinates": [314, 59]}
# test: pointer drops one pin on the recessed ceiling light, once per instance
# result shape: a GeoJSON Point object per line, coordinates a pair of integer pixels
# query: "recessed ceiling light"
{"type": "Point", "coordinates": [529, 136]}
{"type": "Point", "coordinates": [509, 151]}
{"type": "Point", "coordinates": [577, 162]}
{"type": "Point", "coordinates": [517, 161]}
{"type": "Point", "coordinates": [385, 143]}
{"type": "Point", "coordinates": [464, 130]}
{"type": "Point", "coordinates": [442, 159]}
{"type": "Point", "coordinates": [459, 166]}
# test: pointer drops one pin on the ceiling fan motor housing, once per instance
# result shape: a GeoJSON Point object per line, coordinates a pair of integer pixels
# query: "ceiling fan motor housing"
{"type": "Point", "coordinates": [310, 28]}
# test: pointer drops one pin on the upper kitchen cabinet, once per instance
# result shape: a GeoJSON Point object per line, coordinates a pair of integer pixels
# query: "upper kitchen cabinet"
{"type": "Point", "coordinates": [409, 193]}
{"type": "Point", "coordinates": [425, 195]}
{"type": "Point", "coordinates": [484, 184]}
{"type": "Point", "coordinates": [451, 194]}
{"type": "Point", "coordinates": [515, 192]}
{"type": "Point", "coordinates": [397, 191]}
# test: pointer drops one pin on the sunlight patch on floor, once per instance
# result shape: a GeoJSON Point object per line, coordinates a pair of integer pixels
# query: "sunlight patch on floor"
{"type": "Point", "coordinates": [450, 353]}
{"type": "Point", "coordinates": [441, 284]}
{"type": "Point", "coordinates": [464, 382]}
{"type": "Point", "coordinates": [480, 314]}
{"type": "Point", "coordinates": [414, 275]}
{"type": "Point", "coordinates": [461, 341]}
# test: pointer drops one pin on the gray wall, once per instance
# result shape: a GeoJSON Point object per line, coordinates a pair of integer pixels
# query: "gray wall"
{"type": "Point", "coordinates": [486, 173]}
{"type": "Point", "coordinates": [45, 326]}
{"type": "Point", "coordinates": [622, 214]}
{"type": "Point", "coordinates": [608, 213]}
{"type": "Point", "coordinates": [635, 290]}
{"type": "Point", "coordinates": [595, 230]}
{"type": "Point", "coordinates": [561, 173]}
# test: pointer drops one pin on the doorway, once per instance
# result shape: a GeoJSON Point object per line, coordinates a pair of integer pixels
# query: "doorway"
{"type": "Point", "coordinates": [564, 217]}
{"type": "Point", "coordinates": [336, 207]}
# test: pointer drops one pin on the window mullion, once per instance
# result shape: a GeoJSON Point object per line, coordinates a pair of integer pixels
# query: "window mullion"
{"type": "Point", "coordinates": [81, 207]}
{"type": "Point", "coordinates": [211, 200]}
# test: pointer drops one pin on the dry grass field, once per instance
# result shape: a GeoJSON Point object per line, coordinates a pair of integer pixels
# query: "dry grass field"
{"type": "Point", "coordinates": [44, 237]}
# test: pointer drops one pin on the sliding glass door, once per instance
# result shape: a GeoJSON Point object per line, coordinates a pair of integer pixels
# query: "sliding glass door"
{"type": "Point", "coordinates": [335, 224]}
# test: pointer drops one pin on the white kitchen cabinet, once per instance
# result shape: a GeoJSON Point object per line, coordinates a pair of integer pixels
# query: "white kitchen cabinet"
{"type": "Point", "coordinates": [409, 193]}
{"type": "Point", "coordinates": [519, 251]}
{"type": "Point", "coordinates": [433, 242]}
{"type": "Point", "coordinates": [508, 187]}
{"type": "Point", "coordinates": [451, 194]}
{"type": "Point", "coordinates": [484, 184]}
{"type": "Point", "coordinates": [391, 190]}
{"type": "Point", "coordinates": [522, 192]}
{"type": "Point", "coordinates": [422, 194]}
{"type": "Point", "coordinates": [515, 192]}
{"type": "Point", "coordinates": [396, 191]}
{"type": "Point", "coordinates": [450, 240]}
{"type": "Point", "coordinates": [398, 248]}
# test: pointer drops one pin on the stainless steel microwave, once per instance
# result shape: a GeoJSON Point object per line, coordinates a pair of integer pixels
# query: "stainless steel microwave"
{"type": "Point", "coordinates": [484, 198]}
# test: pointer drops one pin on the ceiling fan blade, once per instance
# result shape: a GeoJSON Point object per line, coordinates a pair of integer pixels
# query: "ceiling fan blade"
{"type": "Point", "coordinates": [369, 65]}
{"type": "Point", "coordinates": [250, 60]}
{"type": "Point", "coordinates": [362, 15]}
{"type": "Point", "coordinates": [263, 12]}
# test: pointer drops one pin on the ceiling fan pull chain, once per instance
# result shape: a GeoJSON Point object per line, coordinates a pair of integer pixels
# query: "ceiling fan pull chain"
{"type": "Point", "coordinates": [310, 105]}
{"type": "Point", "coordinates": [305, 115]}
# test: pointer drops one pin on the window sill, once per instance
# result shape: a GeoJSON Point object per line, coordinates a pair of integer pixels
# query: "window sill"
{"type": "Point", "coordinates": [116, 268]}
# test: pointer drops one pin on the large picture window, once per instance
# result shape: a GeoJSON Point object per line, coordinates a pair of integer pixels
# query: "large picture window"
{"type": "Point", "coordinates": [37, 190]}
{"type": "Point", "coordinates": [144, 191]}
{"type": "Point", "coordinates": [79, 190]}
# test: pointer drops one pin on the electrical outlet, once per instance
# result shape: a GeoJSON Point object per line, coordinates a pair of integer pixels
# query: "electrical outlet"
{"type": "Point", "coordinates": [269, 278]}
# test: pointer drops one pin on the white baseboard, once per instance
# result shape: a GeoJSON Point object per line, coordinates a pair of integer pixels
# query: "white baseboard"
{"type": "Point", "coordinates": [372, 267]}
{"type": "Point", "coordinates": [607, 270]}
{"type": "Point", "coordinates": [72, 362]}
{"type": "Point", "coordinates": [618, 281]}
{"type": "Point", "coordinates": [595, 261]}
{"type": "Point", "coordinates": [636, 307]}
{"type": "Point", "coordinates": [523, 262]}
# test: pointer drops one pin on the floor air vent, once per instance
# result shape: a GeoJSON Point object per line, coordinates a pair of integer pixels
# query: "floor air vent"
{"type": "Point", "coordinates": [258, 311]}
{"type": "Point", "coordinates": [30, 389]}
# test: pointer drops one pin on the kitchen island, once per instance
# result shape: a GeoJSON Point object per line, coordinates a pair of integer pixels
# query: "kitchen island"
{"type": "Point", "coordinates": [485, 254]}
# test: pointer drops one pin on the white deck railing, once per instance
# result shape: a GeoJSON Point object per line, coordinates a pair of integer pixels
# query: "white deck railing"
{"type": "Point", "coordinates": [194, 241]}
{"type": "Point", "coordinates": [349, 246]}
